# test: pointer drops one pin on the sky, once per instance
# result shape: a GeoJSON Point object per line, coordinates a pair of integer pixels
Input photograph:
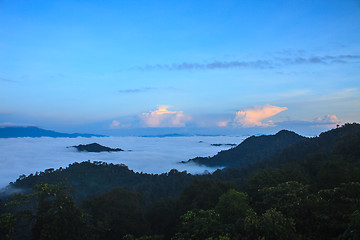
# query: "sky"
{"type": "Point", "coordinates": [195, 67]}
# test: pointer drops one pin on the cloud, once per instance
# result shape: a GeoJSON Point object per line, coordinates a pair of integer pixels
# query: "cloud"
{"type": "Point", "coordinates": [329, 119]}
{"type": "Point", "coordinates": [6, 80]}
{"type": "Point", "coordinates": [149, 155]}
{"type": "Point", "coordinates": [136, 90]}
{"type": "Point", "coordinates": [321, 59]}
{"type": "Point", "coordinates": [115, 124]}
{"type": "Point", "coordinates": [255, 64]}
{"type": "Point", "coordinates": [223, 123]}
{"type": "Point", "coordinates": [295, 93]}
{"type": "Point", "coordinates": [165, 118]}
{"type": "Point", "coordinates": [252, 117]}
{"type": "Point", "coordinates": [212, 65]}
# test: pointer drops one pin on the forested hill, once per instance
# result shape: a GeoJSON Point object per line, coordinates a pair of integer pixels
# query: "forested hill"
{"type": "Point", "coordinates": [251, 150]}
{"type": "Point", "coordinates": [88, 179]}
{"type": "Point", "coordinates": [95, 147]}
{"type": "Point", "coordinates": [14, 132]}
{"type": "Point", "coordinates": [342, 140]}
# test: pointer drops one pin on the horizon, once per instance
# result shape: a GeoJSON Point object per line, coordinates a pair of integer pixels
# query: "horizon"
{"type": "Point", "coordinates": [154, 68]}
{"type": "Point", "coordinates": [163, 133]}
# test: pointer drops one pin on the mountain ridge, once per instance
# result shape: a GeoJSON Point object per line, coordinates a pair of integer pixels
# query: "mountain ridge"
{"type": "Point", "coordinates": [253, 149]}
{"type": "Point", "coordinates": [31, 131]}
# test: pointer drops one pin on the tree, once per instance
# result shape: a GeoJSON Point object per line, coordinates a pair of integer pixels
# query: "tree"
{"type": "Point", "coordinates": [271, 225]}
{"type": "Point", "coordinates": [203, 194]}
{"type": "Point", "coordinates": [57, 216]}
{"type": "Point", "coordinates": [7, 225]}
{"type": "Point", "coordinates": [202, 224]}
{"type": "Point", "coordinates": [232, 205]}
{"type": "Point", "coordinates": [117, 213]}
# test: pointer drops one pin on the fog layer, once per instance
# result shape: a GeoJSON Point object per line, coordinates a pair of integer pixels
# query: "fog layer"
{"type": "Point", "coordinates": [142, 154]}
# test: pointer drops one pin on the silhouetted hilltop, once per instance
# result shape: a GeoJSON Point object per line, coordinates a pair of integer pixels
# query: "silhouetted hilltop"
{"type": "Point", "coordinates": [339, 140]}
{"type": "Point", "coordinates": [14, 132]}
{"type": "Point", "coordinates": [251, 150]}
{"type": "Point", "coordinates": [95, 147]}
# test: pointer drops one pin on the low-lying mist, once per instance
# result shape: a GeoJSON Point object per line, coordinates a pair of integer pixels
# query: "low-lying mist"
{"type": "Point", "coordinates": [142, 154]}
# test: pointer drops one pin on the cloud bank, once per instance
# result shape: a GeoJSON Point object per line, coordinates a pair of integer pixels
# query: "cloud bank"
{"type": "Point", "coordinates": [149, 155]}
{"type": "Point", "coordinates": [136, 90]}
{"type": "Point", "coordinates": [256, 64]}
{"type": "Point", "coordinates": [162, 117]}
{"type": "Point", "coordinates": [255, 116]}
{"type": "Point", "coordinates": [328, 119]}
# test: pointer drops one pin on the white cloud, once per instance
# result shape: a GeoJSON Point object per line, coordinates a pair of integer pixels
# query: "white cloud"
{"type": "Point", "coordinates": [255, 116]}
{"type": "Point", "coordinates": [115, 124]}
{"type": "Point", "coordinates": [165, 118]}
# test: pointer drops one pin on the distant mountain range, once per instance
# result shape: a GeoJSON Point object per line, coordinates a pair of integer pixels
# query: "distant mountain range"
{"type": "Point", "coordinates": [14, 132]}
{"type": "Point", "coordinates": [168, 135]}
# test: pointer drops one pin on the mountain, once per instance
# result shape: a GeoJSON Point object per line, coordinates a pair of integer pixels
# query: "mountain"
{"type": "Point", "coordinates": [95, 147]}
{"type": "Point", "coordinates": [251, 150]}
{"type": "Point", "coordinates": [167, 135]}
{"type": "Point", "coordinates": [343, 140]}
{"type": "Point", "coordinates": [14, 132]}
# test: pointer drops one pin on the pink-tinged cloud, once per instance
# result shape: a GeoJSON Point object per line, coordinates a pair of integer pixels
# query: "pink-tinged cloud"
{"type": "Point", "coordinates": [115, 124]}
{"type": "Point", "coordinates": [165, 118]}
{"type": "Point", "coordinates": [255, 116]}
{"type": "Point", "coordinates": [329, 119]}
{"type": "Point", "coordinates": [223, 123]}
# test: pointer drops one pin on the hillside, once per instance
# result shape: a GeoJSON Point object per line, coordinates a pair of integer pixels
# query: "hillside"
{"type": "Point", "coordinates": [14, 132]}
{"type": "Point", "coordinates": [251, 150]}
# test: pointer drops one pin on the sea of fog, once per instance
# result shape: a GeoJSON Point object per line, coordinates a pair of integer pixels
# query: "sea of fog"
{"type": "Point", "coordinates": [142, 154]}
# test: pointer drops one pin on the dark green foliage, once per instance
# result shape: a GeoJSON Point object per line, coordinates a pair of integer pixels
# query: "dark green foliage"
{"type": "Point", "coordinates": [232, 205]}
{"type": "Point", "coordinates": [163, 217]}
{"type": "Point", "coordinates": [57, 216]}
{"type": "Point", "coordinates": [353, 230]}
{"type": "Point", "coordinates": [271, 225]}
{"type": "Point", "coordinates": [116, 213]}
{"type": "Point", "coordinates": [91, 179]}
{"type": "Point", "coordinates": [203, 194]}
{"type": "Point", "coordinates": [287, 197]}
{"type": "Point", "coordinates": [332, 209]}
{"type": "Point", "coordinates": [7, 225]}
{"type": "Point", "coordinates": [202, 224]}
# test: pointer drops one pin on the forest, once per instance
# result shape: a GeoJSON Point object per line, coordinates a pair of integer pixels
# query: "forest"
{"type": "Point", "coordinates": [295, 188]}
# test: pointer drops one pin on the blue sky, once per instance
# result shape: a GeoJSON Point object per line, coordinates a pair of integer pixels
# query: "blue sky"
{"type": "Point", "coordinates": [187, 66]}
